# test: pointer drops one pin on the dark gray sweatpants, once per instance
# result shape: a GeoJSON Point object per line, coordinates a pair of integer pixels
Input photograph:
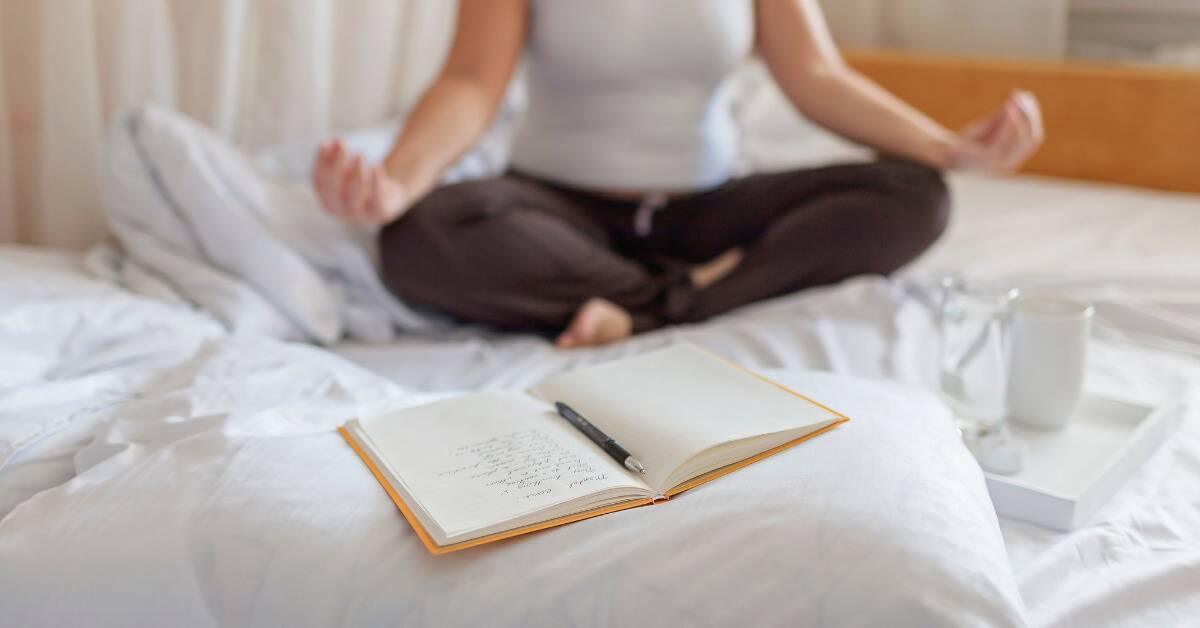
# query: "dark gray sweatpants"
{"type": "Point", "coordinates": [516, 252]}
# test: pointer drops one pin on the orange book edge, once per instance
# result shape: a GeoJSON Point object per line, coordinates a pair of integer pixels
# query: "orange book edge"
{"type": "Point", "coordinates": [436, 549]}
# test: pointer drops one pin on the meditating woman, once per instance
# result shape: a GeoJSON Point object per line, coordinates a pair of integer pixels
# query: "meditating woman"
{"type": "Point", "coordinates": [619, 213]}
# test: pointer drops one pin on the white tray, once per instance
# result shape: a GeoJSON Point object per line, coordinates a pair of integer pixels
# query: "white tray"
{"type": "Point", "coordinates": [1069, 474]}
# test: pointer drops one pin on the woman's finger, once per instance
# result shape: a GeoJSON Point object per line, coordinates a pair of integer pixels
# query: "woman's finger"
{"type": "Point", "coordinates": [350, 186]}
{"type": "Point", "coordinates": [1023, 143]}
{"type": "Point", "coordinates": [1026, 142]}
{"type": "Point", "coordinates": [1028, 105]}
{"type": "Point", "coordinates": [373, 200]}
{"type": "Point", "coordinates": [324, 180]}
{"type": "Point", "coordinates": [1014, 137]}
{"type": "Point", "coordinates": [362, 188]}
{"type": "Point", "coordinates": [337, 156]}
{"type": "Point", "coordinates": [1030, 130]}
{"type": "Point", "coordinates": [325, 151]}
{"type": "Point", "coordinates": [346, 173]}
{"type": "Point", "coordinates": [1009, 142]}
{"type": "Point", "coordinates": [324, 160]}
{"type": "Point", "coordinates": [1002, 141]}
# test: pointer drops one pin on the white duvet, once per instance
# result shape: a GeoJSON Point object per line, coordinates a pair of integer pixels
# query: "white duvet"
{"type": "Point", "coordinates": [205, 487]}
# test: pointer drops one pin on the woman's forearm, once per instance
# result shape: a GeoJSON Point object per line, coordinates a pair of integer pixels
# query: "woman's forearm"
{"type": "Point", "coordinates": [449, 117]}
{"type": "Point", "coordinates": [446, 122]}
{"type": "Point", "coordinates": [458, 107]}
{"type": "Point", "coordinates": [849, 104]}
{"type": "Point", "coordinates": [796, 45]}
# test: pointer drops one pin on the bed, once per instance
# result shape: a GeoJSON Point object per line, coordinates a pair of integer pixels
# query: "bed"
{"type": "Point", "coordinates": [157, 468]}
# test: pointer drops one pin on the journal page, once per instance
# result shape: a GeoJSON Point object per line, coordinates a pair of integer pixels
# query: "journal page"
{"type": "Point", "coordinates": [667, 406]}
{"type": "Point", "coordinates": [484, 459]}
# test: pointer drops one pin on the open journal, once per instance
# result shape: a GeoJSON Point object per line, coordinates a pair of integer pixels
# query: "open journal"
{"type": "Point", "coordinates": [488, 466]}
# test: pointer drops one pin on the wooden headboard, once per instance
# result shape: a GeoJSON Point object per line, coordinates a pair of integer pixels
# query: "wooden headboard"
{"type": "Point", "coordinates": [1133, 125]}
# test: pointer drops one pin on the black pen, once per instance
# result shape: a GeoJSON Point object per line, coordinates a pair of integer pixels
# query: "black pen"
{"type": "Point", "coordinates": [606, 443]}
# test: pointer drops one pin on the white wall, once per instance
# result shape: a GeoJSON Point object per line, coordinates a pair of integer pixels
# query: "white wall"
{"type": "Point", "coordinates": [855, 22]}
{"type": "Point", "coordinates": [1007, 28]}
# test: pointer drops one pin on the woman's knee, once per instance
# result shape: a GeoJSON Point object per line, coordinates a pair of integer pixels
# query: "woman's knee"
{"type": "Point", "coordinates": [416, 251]}
{"type": "Point", "coordinates": [478, 237]}
{"type": "Point", "coordinates": [449, 208]}
{"type": "Point", "coordinates": [923, 197]}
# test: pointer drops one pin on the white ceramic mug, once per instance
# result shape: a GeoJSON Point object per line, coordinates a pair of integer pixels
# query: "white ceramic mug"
{"type": "Point", "coordinates": [1047, 358]}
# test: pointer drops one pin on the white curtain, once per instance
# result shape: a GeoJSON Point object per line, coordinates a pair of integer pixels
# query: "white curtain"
{"type": "Point", "coordinates": [257, 71]}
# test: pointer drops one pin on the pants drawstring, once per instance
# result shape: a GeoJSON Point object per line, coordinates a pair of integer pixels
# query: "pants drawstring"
{"type": "Point", "coordinates": [643, 217]}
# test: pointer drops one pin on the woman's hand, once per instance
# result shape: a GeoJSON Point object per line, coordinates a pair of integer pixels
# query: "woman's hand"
{"type": "Point", "coordinates": [1005, 139]}
{"type": "Point", "coordinates": [353, 191]}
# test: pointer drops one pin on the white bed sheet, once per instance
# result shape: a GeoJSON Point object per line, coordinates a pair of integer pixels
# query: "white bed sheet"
{"type": "Point", "coordinates": [70, 347]}
{"type": "Point", "coordinates": [1135, 252]}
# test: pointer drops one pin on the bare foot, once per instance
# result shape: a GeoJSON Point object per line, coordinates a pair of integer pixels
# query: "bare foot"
{"type": "Point", "coordinates": [597, 322]}
{"type": "Point", "coordinates": [717, 268]}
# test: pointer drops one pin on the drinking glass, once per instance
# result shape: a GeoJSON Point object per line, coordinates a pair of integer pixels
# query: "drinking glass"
{"type": "Point", "coordinates": [973, 354]}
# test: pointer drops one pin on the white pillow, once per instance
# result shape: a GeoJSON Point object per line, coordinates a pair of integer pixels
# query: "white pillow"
{"type": "Point", "coordinates": [261, 516]}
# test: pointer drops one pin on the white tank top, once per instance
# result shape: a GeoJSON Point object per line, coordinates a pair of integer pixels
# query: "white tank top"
{"type": "Point", "coordinates": [632, 95]}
